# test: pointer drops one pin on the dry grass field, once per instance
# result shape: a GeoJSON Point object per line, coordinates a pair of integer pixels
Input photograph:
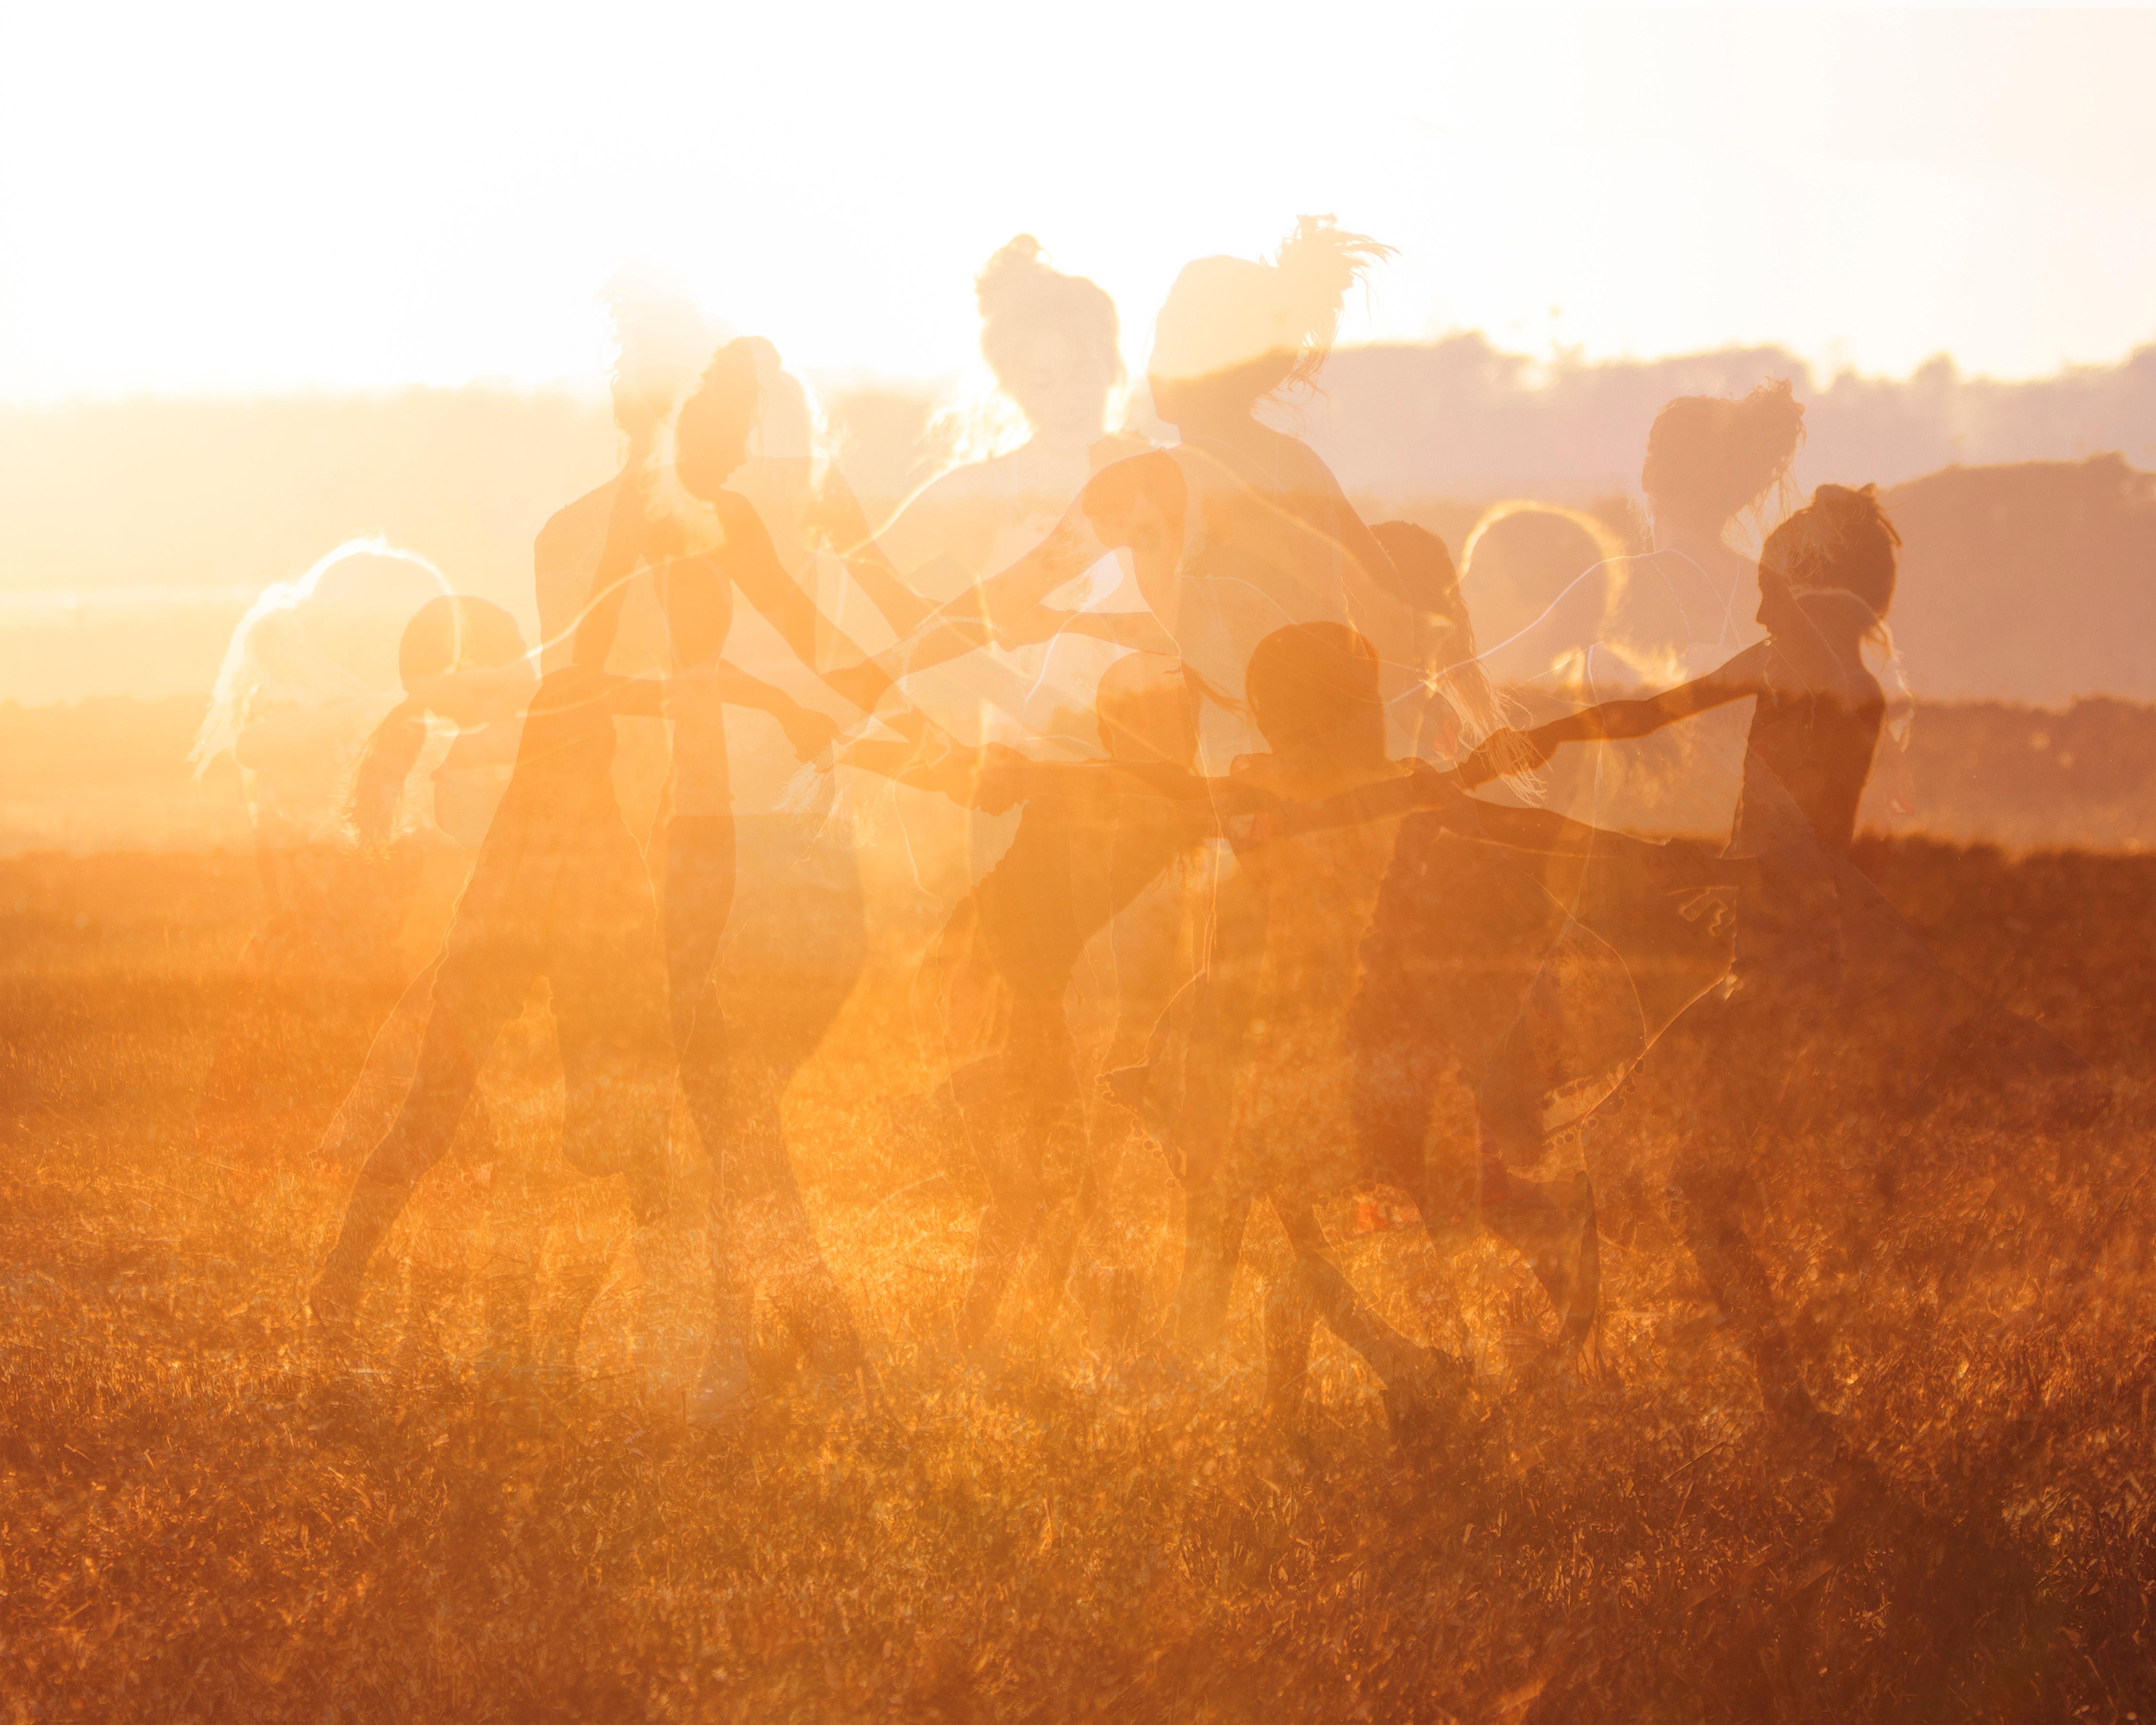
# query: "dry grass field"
{"type": "Point", "coordinates": [198, 1523]}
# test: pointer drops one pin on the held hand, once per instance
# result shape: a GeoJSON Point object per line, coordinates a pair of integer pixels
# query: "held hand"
{"type": "Point", "coordinates": [810, 732]}
{"type": "Point", "coordinates": [835, 515]}
{"type": "Point", "coordinates": [1502, 754]}
{"type": "Point", "coordinates": [1024, 629]}
{"type": "Point", "coordinates": [864, 685]}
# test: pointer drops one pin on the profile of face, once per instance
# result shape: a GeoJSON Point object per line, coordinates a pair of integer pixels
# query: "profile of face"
{"type": "Point", "coordinates": [747, 412]}
{"type": "Point", "coordinates": [711, 435]}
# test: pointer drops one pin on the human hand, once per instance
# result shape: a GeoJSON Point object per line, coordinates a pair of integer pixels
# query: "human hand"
{"type": "Point", "coordinates": [864, 684]}
{"type": "Point", "coordinates": [835, 515]}
{"type": "Point", "coordinates": [1503, 753]}
{"type": "Point", "coordinates": [811, 733]}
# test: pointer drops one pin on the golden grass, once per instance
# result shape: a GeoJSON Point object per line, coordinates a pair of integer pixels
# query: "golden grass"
{"type": "Point", "coordinates": [190, 1527]}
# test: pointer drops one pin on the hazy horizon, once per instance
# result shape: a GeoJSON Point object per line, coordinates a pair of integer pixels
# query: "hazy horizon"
{"type": "Point", "coordinates": [437, 201]}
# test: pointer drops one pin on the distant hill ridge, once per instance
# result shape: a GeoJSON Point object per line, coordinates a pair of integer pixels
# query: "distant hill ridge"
{"type": "Point", "coordinates": [2031, 569]}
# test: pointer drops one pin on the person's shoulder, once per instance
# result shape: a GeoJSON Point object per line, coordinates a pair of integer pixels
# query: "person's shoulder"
{"type": "Point", "coordinates": [575, 520]}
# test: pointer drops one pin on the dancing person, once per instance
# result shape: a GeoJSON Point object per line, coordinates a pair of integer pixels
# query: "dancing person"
{"type": "Point", "coordinates": [1052, 342]}
{"type": "Point", "coordinates": [662, 340]}
{"type": "Point", "coordinates": [309, 673]}
{"type": "Point", "coordinates": [763, 925]}
{"type": "Point", "coordinates": [559, 890]}
{"type": "Point", "coordinates": [1320, 862]}
{"type": "Point", "coordinates": [1826, 578]}
{"type": "Point", "coordinates": [466, 670]}
{"type": "Point", "coordinates": [1236, 530]}
{"type": "Point", "coordinates": [1094, 835]}
{"type": "Point", "coordinates": [1714, 468]}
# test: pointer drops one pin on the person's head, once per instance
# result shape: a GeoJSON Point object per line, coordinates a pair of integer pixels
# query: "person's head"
{"type": "Point", "coordinates": [1233, 331]}
{"type": "Point", "coordinates": [464, 659]}
{"type": "Point", "coordinates": [1147, 706]}
{"type": "Point", "coordinates": [713, 430]}
{"type": "Point", "coordinates": [1710, 458]}
{"type": "Point", "coordinates": [1053, 342]}
{"type": "Point", "coordinates": [1429, 582]}
{"type": "Point", "coordinates": [1314, 687]}
{"type": "Point", "coordinates": [1829, 571]}
{"type": "Point", "coordinates": [660, 339]}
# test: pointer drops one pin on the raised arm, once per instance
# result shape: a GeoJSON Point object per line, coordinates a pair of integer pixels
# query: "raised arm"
{"type": "Point", "coordinates": [846, 529]}
{"type": "Point", "coordinates": [1135, 505]}
{"type": "Point", "coordinates": [752, 563]}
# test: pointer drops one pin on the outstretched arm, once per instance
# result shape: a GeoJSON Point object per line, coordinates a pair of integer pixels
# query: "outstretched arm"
{"type": "Point", "coordinates": [753, 564]}
{"type": "Point", "coordinates": [1135, 505]}
{"type": "Point", "coordinates": [1616, 720]}
{"type": "Point", "coordinates": [845, 529]}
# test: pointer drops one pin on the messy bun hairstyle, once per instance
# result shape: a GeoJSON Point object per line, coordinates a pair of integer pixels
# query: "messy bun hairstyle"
{"type": "Point", "coordinates": [1841, 541]}
{"type": "Point", "coordinates": [1274, 322]}
{"type": "Point", "coordinates": [1316, 266]}
{"type": "Point", "coordinates": [1018, 292]}
{"type": "Point", "coordinates": [1709, 455]}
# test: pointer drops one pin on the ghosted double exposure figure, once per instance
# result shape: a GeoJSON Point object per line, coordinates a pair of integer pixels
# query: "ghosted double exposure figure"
{"type": "Point", "coordinates": [559, 890]}
{"type": "Point", "coordinates": [1092, 837]}
{"type": "Point", "coordinates": [742, 462]}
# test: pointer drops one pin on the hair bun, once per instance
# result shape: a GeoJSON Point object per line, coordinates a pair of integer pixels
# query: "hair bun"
{"type": "Point", "coordinates": [1017, 265]}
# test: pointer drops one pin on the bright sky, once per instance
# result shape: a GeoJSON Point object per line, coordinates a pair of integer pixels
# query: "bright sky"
{"type": "Point", "coordinates": [228, 198]}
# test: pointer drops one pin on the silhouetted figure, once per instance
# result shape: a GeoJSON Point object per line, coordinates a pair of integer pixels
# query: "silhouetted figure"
{"type": "Point", "coordinates": [1093, 836]}
{"type": "Point", "coordinates": [1053, 343]}
{"type": "Point", "coordinates": [1648, 620]}
{"type": "Point", "coordinates": [559, 890]}
{"type": "Point", "coordinates": [466, 670]}
{"type": "Point", "coordinates": [1320, 860]}
{"type": "Point", "coordinates": [662, 341]}
{"type": "Point", "coordinates": [1817, 950]}
{"type": "Point", "coordinates": [1236, 531]}
{"type": "Point", "coordinates": [738, 1055]}
{"type": "Point", "coordinates": [310, 671]}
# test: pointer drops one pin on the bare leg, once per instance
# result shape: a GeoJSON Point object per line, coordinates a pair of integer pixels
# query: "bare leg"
{"type": "Point", "coordinates": [441, 1089]}
{"type": "Point", "coordinates": [1319, 1290]}
{"type": "Point", "coordinates": [1707, 1196]}
{"type": "Point", "coordinates": [385, 1076]}
{"type": "Point", "coordinates": [1550, 1224]}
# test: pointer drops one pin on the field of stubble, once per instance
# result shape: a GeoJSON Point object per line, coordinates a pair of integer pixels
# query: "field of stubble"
{"type": "Point", "coordinates": [191, 1528]}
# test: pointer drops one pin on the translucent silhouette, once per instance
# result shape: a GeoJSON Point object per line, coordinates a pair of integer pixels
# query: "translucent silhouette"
{"type": "Point", "coordinates": [466, 670]}
{"type": "Point", "coordinates": [1713, 468]}
{"type": "Point", "coordinates": [311, 669]}
{"type": "Point", "coordinates": [1818, 951]}
{"type": "Point", "coordinates": [1093, 836]}
{"type": "Point", "coordinates": [1319, 1111]}
{"type": "Point", "coordinates": [1238, 529]}
{"type": "Point", "coordinates": [1052, 342]}
{"type": "Point", "coordinates": [742, 459]}
{"type": "Point", "coordinates": [662, 341]}
{"type": "Point", "coordinates": [559, 891]}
